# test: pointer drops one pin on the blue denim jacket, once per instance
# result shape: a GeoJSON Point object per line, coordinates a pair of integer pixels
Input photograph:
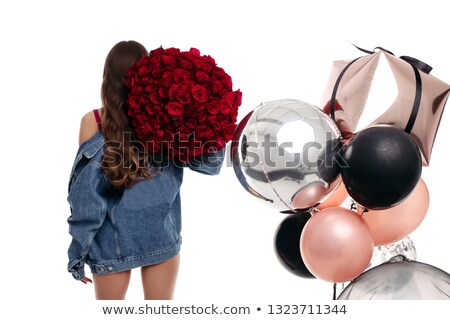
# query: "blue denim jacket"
{"type": "Point", "coordinates": [114, 230]}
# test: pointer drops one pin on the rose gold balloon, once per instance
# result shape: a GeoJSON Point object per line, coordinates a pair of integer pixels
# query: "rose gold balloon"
{"type": "Point", "coordinates": [353, 89]}
{"type": "Point", "coordinates": [336, 245]}
{"type": "Point", "coordinates": [310, 195]}
{"type": "Point", "coordinates": [343, 125]}
{"type": "Point", "coordinates": [353, 92]}
{"type": "Point", "coordinates": [336, 198]}
{"type": "Point", "coordinates": [393, 224]}
{"type": "Point", "coordinates": [433, 99]}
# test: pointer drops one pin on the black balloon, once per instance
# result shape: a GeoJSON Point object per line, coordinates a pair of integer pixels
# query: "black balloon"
{"type": "Point", "coordinates": [381, 167]}
{"type": "Point", "coordinates": [399, 279]}
{"type": "Point", "coordinates": [329, 160]}
{"type": "Point", "coordinates": [287, 244]}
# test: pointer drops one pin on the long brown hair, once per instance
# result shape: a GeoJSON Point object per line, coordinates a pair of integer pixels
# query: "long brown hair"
{"type": "Point", "coordinates": [125, 161]}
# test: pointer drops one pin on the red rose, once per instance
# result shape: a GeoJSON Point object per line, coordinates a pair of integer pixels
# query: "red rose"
{"type": "Point", "coordinates": [198, 63]}
{"type": "Point", "coordinates": [141, 132]}
{"type": "Point", "coordinates": [160, 133]}
{"type": "Point", "coordinates": [172, 51]}
{"type": "Point", "coordinates": [226, 106]}
{"type": "Point", "coordinates": [207, 67]}
{"type": "Point", "coordinates": [195, 51]}
{"type": "Point", "coordinates": [134, 113]}
{"type": "Point", "coordinates": [186, 64]}
{"type": "Point", "coordinates": [199, 93]}
{"type": "Point", "coordinates": [201, 117]}
{"type": "Point", "coordinates": [156, 52]}
{"type": "Point", "coordinates": [140, 118]}
{"type": "Point", "coordinates": [154, 97]}
{"type": "Point", "coordinates": [157, 72]}
{"type": "Point", "coordinates": [175, 109]}
{"type": "Point", "coordinates": [180, 75]}
{"type": "Point", "coordinates": [166, 117]}
{"type": "Point", "coordinates": [135, 90]}
{"type": "Point", "coordinates": [168, 60]}
{"type": "Point", "coordinates": [183, 96]}
{"type": "Point", "coordinates": [205, 132]}
{"type": "Point", "coordinates": [134, 101]}
{"type": "Point", "coordinates": [195, 106]}
{"type": "Point", "coordinates": [167, 79]}
{"type": "Point", "coordinates": [218, 72]}
{"type": "Point", "coordinates": [156, 64]}
{"type": "Point", "coordinates": [182, 136]}
{"type": "Point", "coordinates": [212, 120]}
{"type": "Point", "coordinates": [191, 123]}
{"type": "Point", "coordinates": [213, 108]}
{"type": "Point", "coordinates": [149, 109]}
{"type": "Point", "coordinates": [150, 127]}
{"type": "Point", "coordinates": [226, 81]}
{"type": "Point", "coordinates": [129, 83]}
{"type": "Point", "coordinates": [145, 99]}
{"type": "Point", "coordinates": [234, 115]}
{"type": "Point", "coordinates": [237, 98]}
{"type": "Point", "coordinates": [146, 81]}
{"type": "Point", "coordinates": [216, 86]}
{"type": "Point", "coordinates": [173, 91]}
{"type": "Point", "coordinates": [144, 70]}
{"type": "Point", "coordinates": [201, 76]}
{"type": "Point", "coordinates": [230, 129]}
{"type": "Point", "coordinates": [157, 108]}
{"type": "Point", "coordinates": [137, 80]}
{"type": "Point", "coordinates": [210, 60]}
{"type": "Point", "coordinates": [167, 76]}
{"type": "Point", "coordinates": [163, 93]}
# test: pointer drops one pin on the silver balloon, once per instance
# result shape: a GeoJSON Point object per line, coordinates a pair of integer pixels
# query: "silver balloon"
{"type": "Point", "coordinates": [399, 279]}
{"type": "Point", "coordinates": [404, 247]}
{"type": "Point", "coordinates": [285, 152]}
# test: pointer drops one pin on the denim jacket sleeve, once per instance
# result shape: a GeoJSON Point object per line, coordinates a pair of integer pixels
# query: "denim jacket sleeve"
{"type": "Point", "coordinates": [210, 163]}
{"type": "Point", "coordinates": [88, 208]}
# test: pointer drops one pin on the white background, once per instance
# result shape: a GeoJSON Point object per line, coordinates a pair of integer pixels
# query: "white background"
{"type": "Point", "coordinates": [51, 66]}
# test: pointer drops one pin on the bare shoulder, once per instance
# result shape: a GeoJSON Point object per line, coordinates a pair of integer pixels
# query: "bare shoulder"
{"type": "Point", "coordinates": [88, 127]}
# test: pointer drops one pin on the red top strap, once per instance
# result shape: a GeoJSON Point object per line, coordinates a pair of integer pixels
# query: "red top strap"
{"type": "Point", "coordinates": [98, 119]}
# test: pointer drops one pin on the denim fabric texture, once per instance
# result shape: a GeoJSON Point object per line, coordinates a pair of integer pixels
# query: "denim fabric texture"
{"type": "Point", "coordinates": [114, 230]}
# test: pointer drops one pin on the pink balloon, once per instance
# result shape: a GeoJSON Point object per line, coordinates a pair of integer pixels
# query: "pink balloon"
{"type": "Point", "coordinates": [336, 198]}
{"type": "Point", "coordinates": [336, 245]}
{"type": "Point", "coordinates": [393, 224]}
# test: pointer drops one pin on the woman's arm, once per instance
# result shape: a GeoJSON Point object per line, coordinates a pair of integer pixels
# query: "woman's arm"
{"type": "Point", "coordinates": [210, 163]}
{"type": "Point", "coordinates": [88, 208]}
{"type": "Point", "coordinates": [87, 204]}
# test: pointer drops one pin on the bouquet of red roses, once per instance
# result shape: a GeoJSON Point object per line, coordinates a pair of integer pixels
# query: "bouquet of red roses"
{"type": "Point", "coordinates": [181, 103]}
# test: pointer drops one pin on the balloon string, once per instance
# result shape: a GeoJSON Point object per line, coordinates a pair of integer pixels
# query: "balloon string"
{"type": "Point", "coordinates": [416, 104]}
{"type": "Point", "coordinates": [334, 291]}
{"type": "Point", "coordinates": [363, 50]}
{"type": "Point", "coordinates": [335, 89]}
{"type": "Point", "coordinates": [373, 51]}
